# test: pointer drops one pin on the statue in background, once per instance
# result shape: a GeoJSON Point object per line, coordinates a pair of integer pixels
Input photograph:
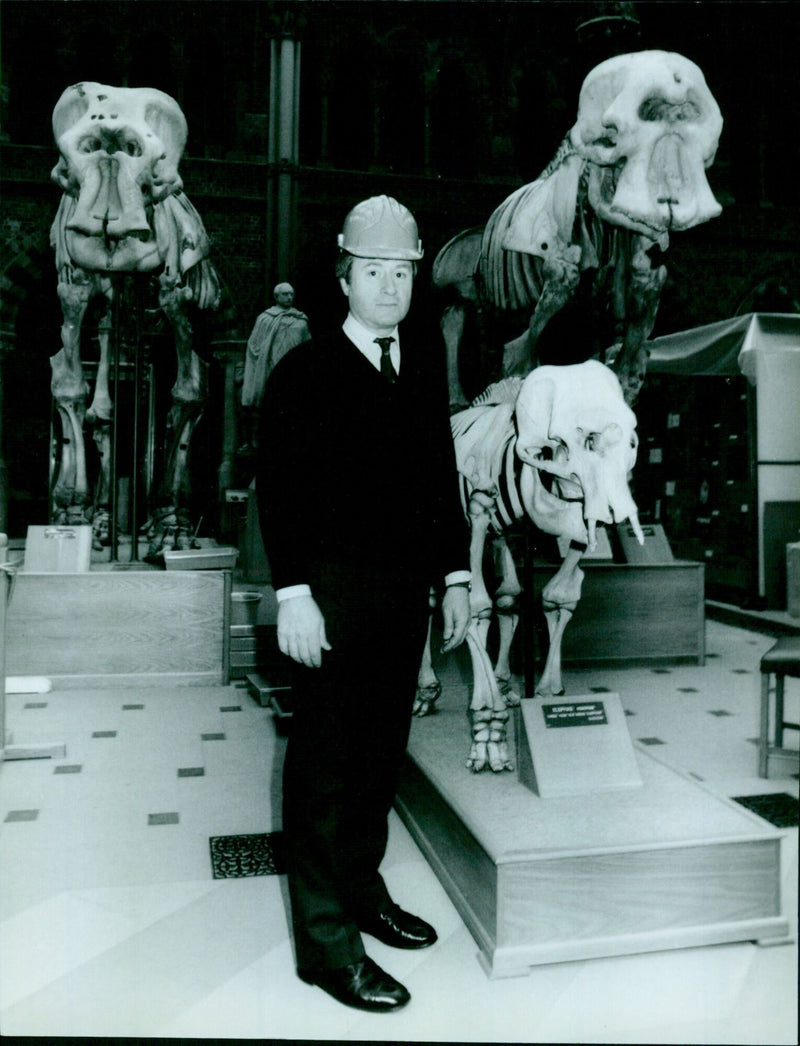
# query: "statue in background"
{"type": "Point", "coordinates": [277, 330]}
{"type": "Point", "coordinates": [124, 212]}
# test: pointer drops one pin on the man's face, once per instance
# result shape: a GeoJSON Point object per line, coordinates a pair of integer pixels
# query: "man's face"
{"type": "Point", "coordinates": [379, 292]}
{"type": "Point", "coordinates": [284, 298]}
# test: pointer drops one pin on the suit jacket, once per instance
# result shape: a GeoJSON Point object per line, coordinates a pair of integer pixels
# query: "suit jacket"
{"type": "Point", "coordinates": [356, 471]}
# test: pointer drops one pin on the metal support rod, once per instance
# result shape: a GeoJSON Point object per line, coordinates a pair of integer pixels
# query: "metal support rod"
{"type": "Point", "coordinates": [112, 471]}
{"type": "Point", "coordinates": [272, 165]}
{"type": "Point", "coordinates": [135, 480]}
{"type": "Point", "coordinates": [287, 157]}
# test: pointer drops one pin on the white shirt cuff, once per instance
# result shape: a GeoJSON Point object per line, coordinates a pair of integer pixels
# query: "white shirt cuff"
{"type": "Point", "coordinates": [458, 577]}
{"type": "Point", "coordinates": [291, 591]}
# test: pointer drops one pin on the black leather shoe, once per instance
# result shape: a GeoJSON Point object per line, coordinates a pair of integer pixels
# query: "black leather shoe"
{"type": "Point", "coordinates": [399, 929]}
{"type": "Point", "coordinates": [361, 984]}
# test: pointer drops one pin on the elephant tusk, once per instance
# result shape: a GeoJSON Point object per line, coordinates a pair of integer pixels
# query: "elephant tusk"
{"type": "Point", "coordinates": [633, 519]}
{"type": "Point", "coordinates": [591, 526]}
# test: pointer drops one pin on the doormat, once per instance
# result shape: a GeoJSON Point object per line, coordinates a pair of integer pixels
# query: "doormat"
{"type": "Point", "coordinates": [778, 808]}
{"type": "Point", "coordinates": [240, 856]}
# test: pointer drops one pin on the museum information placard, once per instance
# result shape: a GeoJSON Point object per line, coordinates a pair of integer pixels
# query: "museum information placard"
{"type": "Point", "coordinates": [575, 746]}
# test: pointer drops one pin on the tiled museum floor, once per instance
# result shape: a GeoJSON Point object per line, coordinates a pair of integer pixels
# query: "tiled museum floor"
{"type": "Point", "coordinates": [111, 922]}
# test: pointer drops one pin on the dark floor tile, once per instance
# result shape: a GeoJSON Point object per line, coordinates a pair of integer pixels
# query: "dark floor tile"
{"type": "Point", "coordinates": [104, 733]}
{"type": "Point", "coordinates": [628, 712]}
{"type": "Point", "coordinates": [35, 704]}
{"type": "Point", "coordinates": [719, 712]}
{"type": "Point", "coordinates": [742, 671]}
{"type": "Point", "coordinates": [688, 690]}
{"type": "Point", "coordinates": [22, 815]}
{"type": "Point", "coordinates": [651, 740]}
{"type": "Point", "coordinates": [212, 737]}
{"type": "Point", "coordinates": [661, 671]}
{"type": "Point", "coordinates": [241, 856]}
{"type": "Point", "coordinates": [778, 808]}
{"type": "Point", "coordinates": [68, 768]}
{"type": "Point", "coordinates": [599, 690]}
{"type": "Point", "coordinates": [231, 708]}
{"type": "Point", "coordinates": [170, 818]}
{"type": "Point", "coordinates": [191, 771]}
{"type": "Point", "coordinates": [132, 708]}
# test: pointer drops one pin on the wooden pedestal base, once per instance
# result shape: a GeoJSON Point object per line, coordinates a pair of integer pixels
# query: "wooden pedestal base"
{"type": "Point", "coordinates": [121, 628]}
{"type": "Point", "coordinates": [667, 865]}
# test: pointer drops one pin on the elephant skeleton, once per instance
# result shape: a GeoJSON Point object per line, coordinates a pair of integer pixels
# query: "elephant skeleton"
{"type": "Point", "coordinates": [123, 212]}
{"type": "Point", "coordinates": [557, 449]}
{"type": "Point", "coordinates": [630, 172]}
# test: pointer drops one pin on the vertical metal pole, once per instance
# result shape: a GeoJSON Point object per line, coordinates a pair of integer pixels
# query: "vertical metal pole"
{"type": "Point", "coordinates": [286, 158]}
{"type": "Point", "coordinates": [112, 471]}
{"type": "Point", "coordinates": [133, 494]}
{"type": "Point", "coordinates": [272, 166]}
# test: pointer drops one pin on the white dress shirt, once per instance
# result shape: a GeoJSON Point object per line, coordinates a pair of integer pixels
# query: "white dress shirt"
{"type": "Point", "coordinates": [364, 341]}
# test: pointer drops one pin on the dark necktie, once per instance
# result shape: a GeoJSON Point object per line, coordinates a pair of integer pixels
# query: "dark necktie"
{"type": "Point", "coordinates": [387, 370]}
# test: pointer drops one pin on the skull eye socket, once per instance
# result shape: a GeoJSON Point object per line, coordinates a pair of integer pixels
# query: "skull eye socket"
{"type": "Point", "coordinates": [90, 144]}
{"type": "Point", "coordinates": [132, 147]}
{"type": "Point", "coordinates": [589, 442]}
{"type": "Point", "coordinates": [654, 109]}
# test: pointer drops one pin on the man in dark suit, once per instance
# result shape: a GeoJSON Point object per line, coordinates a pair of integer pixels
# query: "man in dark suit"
{"type": "Point", "coordinates": [360, 513]}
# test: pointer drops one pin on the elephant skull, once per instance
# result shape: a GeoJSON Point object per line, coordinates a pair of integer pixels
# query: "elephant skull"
{"type": "Point", "coordinates": [650, 127]}
{"type": "Point", "coordinates": [120, 148]}
{"type": "Point", "coordinates": [574, 425]}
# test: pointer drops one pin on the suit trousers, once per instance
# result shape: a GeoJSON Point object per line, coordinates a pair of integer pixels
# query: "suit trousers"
{"type": "Point", "coordinates": [350, 726]}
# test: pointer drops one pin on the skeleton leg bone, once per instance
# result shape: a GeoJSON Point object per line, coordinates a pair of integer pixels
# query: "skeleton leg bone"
{"type": "Point", "coordinates": [561, 277]}
{"type": "Point", "coordinates": [452, 327]}
{"type": "Point", "coordinates": [560, 596]}
{"type": "Point", "coordinates": [488, 711]}
{"type": "Point", "coordinates": [99, 416]}
{"type": "Point", "coordinates": [429, 688]}
{"type": "Point", "coordinates": [69, 390]}
{"type": "Point", "coordinates": [642, 298]}
{"type": "Point", "coordinates": [505, 599]}
{"type": "Point", "coordinates": [169, 527]}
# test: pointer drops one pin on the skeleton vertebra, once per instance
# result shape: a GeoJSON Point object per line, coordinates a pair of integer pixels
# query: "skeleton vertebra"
{"type": "Point", "coordinates": [631, 170]}
{"type": "Point", "coordinates": [123, 212]}
{"type": "Point", "coordinates": [571, 425]}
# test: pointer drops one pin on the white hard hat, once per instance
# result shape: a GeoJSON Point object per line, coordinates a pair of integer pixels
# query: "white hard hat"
{"type": "Point", "coordinates": [380, 227]}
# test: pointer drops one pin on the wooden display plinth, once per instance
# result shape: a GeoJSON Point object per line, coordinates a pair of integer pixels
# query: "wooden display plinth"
{"type": "Point", "coordinates": [121, 628]}
{"type": "Point", "coordinates": [667, 865]}
{"type": "Point", "coordinates": [631, 613]}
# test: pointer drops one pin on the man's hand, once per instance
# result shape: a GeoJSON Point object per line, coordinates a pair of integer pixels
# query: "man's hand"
{"type": "Point", "coordinates": [301, 631]}
{"type": "Point", "coordinates": [457, 616]}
